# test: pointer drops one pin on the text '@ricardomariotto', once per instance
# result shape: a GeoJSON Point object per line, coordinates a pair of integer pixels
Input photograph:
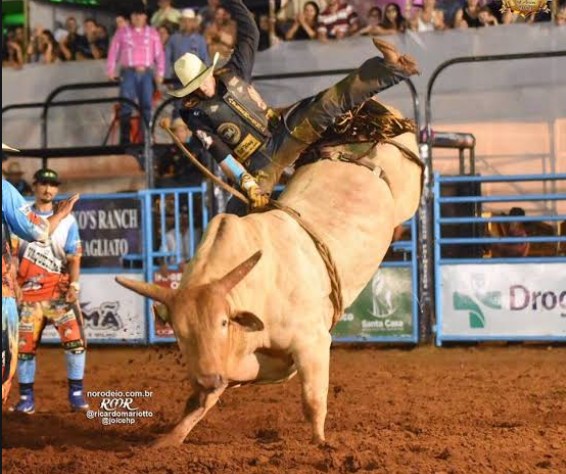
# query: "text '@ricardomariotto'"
{"type": "Point", "coordinates": [119, 407]}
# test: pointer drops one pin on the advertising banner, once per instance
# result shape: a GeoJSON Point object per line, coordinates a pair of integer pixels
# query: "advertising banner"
{"type": "Point", "coordinates": [111, 312]}
{"type": "Point", "coordinates": [109, 229]}
{"type": "Point", "coordinates": [384, 309]}
{"type": "Point", "coordinates": [504, 300]}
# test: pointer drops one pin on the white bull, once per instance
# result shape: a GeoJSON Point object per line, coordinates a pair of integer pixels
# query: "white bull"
{"type": "Point", "coordinates": [263, 320]}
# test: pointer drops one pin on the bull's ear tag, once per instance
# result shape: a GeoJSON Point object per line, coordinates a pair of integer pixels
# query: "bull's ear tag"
{"type": "Point", "coordinates": [248, 321]}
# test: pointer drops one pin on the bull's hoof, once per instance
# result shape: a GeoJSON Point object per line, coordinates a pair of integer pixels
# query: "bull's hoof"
{"type": "Point", "coordinates": [325, 446]}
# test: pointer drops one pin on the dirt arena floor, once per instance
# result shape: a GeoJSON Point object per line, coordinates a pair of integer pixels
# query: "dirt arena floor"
{"type": "Point", "coordinates": [427, 410]}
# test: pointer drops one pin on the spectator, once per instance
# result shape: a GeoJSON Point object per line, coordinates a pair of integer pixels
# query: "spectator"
{"type": "Point", "coordinates": [74, 44]}
{"type": "Point", "coordinates": [290, 9]}
{"type": "Point", "coordinates": [305, 23]}
{"type": "Point", "coordinates": [138, 50]}
{"type": "Point", "coordinates": [542, 16]}
{"type": "Point", "coordinates": [14, 175]}
{"type": "Point", "coordinates": [268, 35]}
{"type": "Point", "coordinates": [59, 31]}
{"type": "Point", "coordinates": [16, 46]}
{"type": "Point", "coordinates": [511, 229]}
{"type": "Point", "coordinates": [486, 17]}
{"type": "Point", "coordinates": [164, 32]}
{"type": "Point", "coordinates": [185, 235]}
{"type": "Point", "coordinates": [121, 21]}
{"type": "Point", "coordinates": [337, 21]}
{"type": "Point", "coordinates": [93, 48]}
{"type": "Point", "coordinates": [187, 40]}
{"type": "Point", "coordinates": [429, 18]}
{"type": "Point", "coordinates": [496, 8]}
{"type": "Point", "coordinates": [560, 19]}
{"type": "Point", "coordinates": [166, 15]}
{"type": "Point", "coordinates": [44, 49]}
{"type": "Point", "coordinates": [206, 13]}
{"type": "Point", "coordinates": [449, 8]}
{"type": "Point", "coordinates": [174, 170]}
{"type": "Point", "coordinates": [468, 15]}
{"type": "Point", "coordinates": [220, 35]}
{"type": "Point", "coordinates": [102, 40]}
{"type": "Point", "coordinates": [374, 19]}
{"type": "Point", "coordinates": [393, 22]}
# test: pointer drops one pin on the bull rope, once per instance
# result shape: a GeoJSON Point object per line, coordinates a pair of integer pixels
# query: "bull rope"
{"type": "Point", "coordinates": [164, 124]}
{"type": "Point", "coordinates": [335, 295]}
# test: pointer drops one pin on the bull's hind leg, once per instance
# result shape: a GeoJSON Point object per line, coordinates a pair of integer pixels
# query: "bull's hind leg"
{"type": "Point", "coordinates": [313, 364]}
{"type": "Point", "coordinates": [198, 405]}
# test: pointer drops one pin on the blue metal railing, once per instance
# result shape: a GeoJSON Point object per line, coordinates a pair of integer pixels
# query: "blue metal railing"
{"type": "Point", "coordinates": [156, 252]}
{"type": "Point", "coordinates": [408, 247]}
{"type": "Point", "coordinates": [481, 303]}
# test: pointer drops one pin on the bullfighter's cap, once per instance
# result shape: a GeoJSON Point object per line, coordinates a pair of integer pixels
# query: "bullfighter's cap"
{"type": "Point", "coordinates": [45, 175]}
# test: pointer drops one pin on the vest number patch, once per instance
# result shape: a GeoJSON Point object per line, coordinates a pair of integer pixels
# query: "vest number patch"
{"type": "Point", "coordinates": [247, 147]}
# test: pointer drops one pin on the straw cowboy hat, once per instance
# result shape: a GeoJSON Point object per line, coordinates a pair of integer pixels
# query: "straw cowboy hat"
{"type": "Point", "coordinates": [192, 72]}
{"type": "Point", "coordinates": [189, 14]}
{"type": "Point", "coordinates": [14, 169]}
{"type": "Point", "coordinates": [8, 148]}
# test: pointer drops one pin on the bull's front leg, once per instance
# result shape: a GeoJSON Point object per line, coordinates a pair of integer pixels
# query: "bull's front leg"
{"type": "Point", "coordinates": [198, 405]}
{"type": "Point", "coordinates": [313, 364]}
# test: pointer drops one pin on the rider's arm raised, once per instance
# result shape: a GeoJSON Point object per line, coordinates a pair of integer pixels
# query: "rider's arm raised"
{"type": "Point", "coordinates": [247, 40]}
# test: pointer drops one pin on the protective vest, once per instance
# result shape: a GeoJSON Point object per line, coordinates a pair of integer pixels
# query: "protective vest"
{"type": "Point", "coordinates": [240, 116]}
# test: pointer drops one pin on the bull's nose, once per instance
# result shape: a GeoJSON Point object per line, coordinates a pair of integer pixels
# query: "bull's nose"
{"type": "Point", "coordinates": [210, 382]}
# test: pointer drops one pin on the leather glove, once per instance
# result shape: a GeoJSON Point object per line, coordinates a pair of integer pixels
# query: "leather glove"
{"type": "Point", "coordinates": [257, 197]}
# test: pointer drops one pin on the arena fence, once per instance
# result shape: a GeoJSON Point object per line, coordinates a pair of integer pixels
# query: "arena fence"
{"type": "Point", "coordinates": [484, 293]}
{"type": "Point", "coordinates": [136, 235]}
{"type": "Point", "coordinates": [111, 228]}
{"type": "Point", "coordinates": [387, 310]}
{"type": "Point", "coordinates": [427, 283]}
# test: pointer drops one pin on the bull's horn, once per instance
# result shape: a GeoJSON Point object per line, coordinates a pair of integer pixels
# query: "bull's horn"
{"type": "Point", "coordinates": [150, 290]}
{"type": "Point", "coordinates": [231, 279]}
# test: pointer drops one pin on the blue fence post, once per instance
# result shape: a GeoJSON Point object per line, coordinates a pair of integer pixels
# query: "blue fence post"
{"type": "Point", "coordinates": [415, 281]}
{"type": "Point", "coordinates": [437, 328]}
{"type": "Point", "coordinates": [148, 259]}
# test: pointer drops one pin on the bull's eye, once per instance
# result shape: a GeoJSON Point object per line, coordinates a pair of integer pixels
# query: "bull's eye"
{"type": "Point", "coordinates": [224, 323]}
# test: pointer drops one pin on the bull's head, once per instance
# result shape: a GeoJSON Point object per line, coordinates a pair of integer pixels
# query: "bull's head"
{"type": "Point", "coordinates": [208, 331]}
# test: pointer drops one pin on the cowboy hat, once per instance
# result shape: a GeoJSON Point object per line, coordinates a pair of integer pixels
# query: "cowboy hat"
{"type": "Point", "coordinates": [8, 148]}
{"type": "Point", "coordinates": [192, 72]}
{"type": "Point", "coordinates": [14, 169]}
{"type": "Point", "coordinates": [189, 14]}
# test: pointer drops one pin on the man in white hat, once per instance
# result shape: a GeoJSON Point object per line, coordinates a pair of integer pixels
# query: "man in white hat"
{"type": "Point", "coordinates": [14, 175]}
{"type": "Point", "coordinates": [187, 40]}
{"type": "Point", "coordinates": [18, 218]}
{"type": "Point", "coordinates": [231, 119]}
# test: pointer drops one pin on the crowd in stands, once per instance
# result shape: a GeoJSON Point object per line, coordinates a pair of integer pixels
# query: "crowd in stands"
{"type": "Point", "coordinates": [295, 20]}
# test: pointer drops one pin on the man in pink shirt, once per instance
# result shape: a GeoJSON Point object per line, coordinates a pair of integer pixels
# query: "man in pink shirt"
{"type": "Point", "coordinates": [139, 52]}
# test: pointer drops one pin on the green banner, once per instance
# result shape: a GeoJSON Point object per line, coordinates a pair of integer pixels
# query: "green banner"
{"type": "Point", "coordinates": [383, 309]}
